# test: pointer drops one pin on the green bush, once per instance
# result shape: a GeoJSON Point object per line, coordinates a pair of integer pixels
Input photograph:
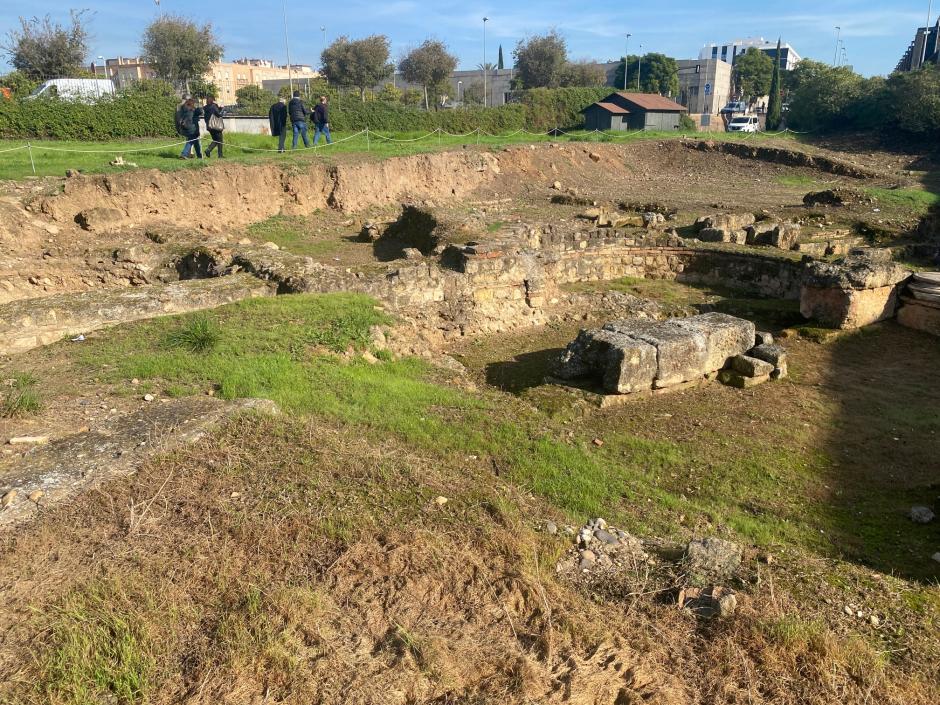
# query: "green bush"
{"type": "Point", "coordinates": [548, 108]}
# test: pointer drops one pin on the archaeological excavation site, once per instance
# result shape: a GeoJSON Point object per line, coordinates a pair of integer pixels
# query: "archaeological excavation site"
{"type": "Point", "coordinates": [569, 422]}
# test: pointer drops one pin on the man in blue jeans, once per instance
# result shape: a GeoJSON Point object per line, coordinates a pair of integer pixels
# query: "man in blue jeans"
{"type": "Point", "coordinates": [298, 117]}
{"type": "Point", "coordinates": [321, 121]}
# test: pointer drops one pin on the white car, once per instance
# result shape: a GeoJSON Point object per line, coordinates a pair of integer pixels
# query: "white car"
{"type": "Point", "coordinates": [744, 123]}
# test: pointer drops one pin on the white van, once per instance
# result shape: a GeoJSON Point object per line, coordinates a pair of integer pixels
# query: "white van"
{"type": "Point", "coordinates": [744, 123]}
{"type": "Point", "coordinates": [81, 89]}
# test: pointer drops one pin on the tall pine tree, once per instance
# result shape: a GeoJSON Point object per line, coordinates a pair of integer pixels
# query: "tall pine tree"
{"type": "Point", "coordinates": [773, 106]}
{"type": "Point", "coordinates": [499, 62]}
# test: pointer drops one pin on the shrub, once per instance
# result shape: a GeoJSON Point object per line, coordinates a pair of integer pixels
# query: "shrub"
{"type": "Point", "coordinates": [198, 335]}
{"type": "Point", "coordinates": [22, 398]}
{"type": "Point", "coordinates": [687, 124]}
{"type": "Point", "coordinates": [548, 108]}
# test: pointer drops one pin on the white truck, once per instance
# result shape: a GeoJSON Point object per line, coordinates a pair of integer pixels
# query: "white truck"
{"type": "Point", "coordinates": [85, 90]}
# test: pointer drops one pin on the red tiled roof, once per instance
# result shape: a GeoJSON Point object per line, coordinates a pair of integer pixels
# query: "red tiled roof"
{"type": "Point", "coordinates": [651, 101]}
{"type": "Point", "coordinates": [611, 108]}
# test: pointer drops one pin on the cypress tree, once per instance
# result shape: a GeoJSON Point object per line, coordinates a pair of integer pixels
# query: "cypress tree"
{"type": "Point", "coordinates": [773, 106]}
{"type": "Point", "coordinates": [499, 63]}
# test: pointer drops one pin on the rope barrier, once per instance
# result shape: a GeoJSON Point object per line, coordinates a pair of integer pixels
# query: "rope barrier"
{"type": "Point", "coordinates": [106, 151]}
{"type": "Point", "coordinates": [14, 149]}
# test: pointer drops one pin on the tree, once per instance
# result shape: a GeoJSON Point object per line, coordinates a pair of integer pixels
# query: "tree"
{"type": "Point", "coordinates": [43, 49]}
{"type": "Point", "coordinates": [823, 96]}
{"type": "Point", "coordinates": [254, 100]}
{"type": "Point", "coordinates": [429, 65]}
{"type": "Point", "coordinates": [412, 97]}
{"type": "Point", "coordinates": [361, 63]}
{"type": "Point", "coordinates": [473, 93]}
{"type": "Point", "coordinates": [580, 74]}
{"type": "Point", "coordinates": [774, 106]}
{"type": "Point", "coordinates": [658, 74]}
{"type": "Point", "coordinates": [540, 60]}
{"type": "Point", "coordinates": [754, 71]}
{"type": "Point", "coordinates": [18, 84]}
{"type": "Point", "coordinates": [201, 88]}
{"type": "Point", "coordinates": [499, 63]}
{"type": "Point", "coordinates": [179, 50]}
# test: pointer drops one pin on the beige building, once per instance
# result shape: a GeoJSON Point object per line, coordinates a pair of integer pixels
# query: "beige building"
{"type": "Point", "coordinates": [227, 76]}
{"type": "Point", "coordinates": [704, 85]}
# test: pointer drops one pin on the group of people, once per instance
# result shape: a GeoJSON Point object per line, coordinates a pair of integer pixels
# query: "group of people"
{"type": "Point", "coordinates": [189, 115]}
{"type": "Point", "coordinates": [298, 113]}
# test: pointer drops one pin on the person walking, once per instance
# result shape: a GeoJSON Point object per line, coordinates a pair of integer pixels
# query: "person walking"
{"type": "Point", "coordinates": [277, 120]}
{"type": "Point", "coordinates": [187, 125]}
{"type": "Point", "coordinates": [321, 121]}
{"type": "Point", "coordinates": [298, 117]}
{"type": "Point", "coordinates": [215, 125]}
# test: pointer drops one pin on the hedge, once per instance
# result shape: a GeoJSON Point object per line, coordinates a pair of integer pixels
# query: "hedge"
{"type": "Point", "coordinates": [149, 113]}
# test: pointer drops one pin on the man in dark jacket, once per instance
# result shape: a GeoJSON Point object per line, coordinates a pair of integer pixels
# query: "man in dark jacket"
{"type": "Point", "coordinates": [210, 111]}
{"type": "Point", "coordinates": [298, 117]}
{"type": "Point", "coordinates": [321, 121]}
{"type": "Point", "coordinates": [277, 119]}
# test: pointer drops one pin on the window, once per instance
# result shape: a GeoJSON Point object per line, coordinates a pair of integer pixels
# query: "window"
{"type": "Point", "coordinates": [715, 52]}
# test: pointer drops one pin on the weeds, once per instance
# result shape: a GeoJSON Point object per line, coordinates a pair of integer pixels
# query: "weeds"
{"type": "Point", "coordinates": [22, 398]}
{"type": "Point", "coordinates": [197, 335]}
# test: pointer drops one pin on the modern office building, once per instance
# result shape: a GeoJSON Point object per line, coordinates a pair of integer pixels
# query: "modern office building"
{"type": "Point", "coordinates": [925, 49]}
{"type": "Point", "coordinates": [729, 52]}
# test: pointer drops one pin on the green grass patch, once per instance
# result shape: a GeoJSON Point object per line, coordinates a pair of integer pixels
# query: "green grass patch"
{"type": "Point", "coordinates": [97, 651]}
{"type": "Point", "coordinates": [292, 233]}
{"type": "Point", "coordinates": [198, 334]}
{"type": "Point", "coordinates": [916, 200]}
{"type": "Point", "coordinates": [796, 180]}
{"type": "Point", "coordinates": [21, 398]}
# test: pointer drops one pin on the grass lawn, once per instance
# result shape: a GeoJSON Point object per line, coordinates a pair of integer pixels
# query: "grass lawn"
{"type": "Point", "coordinates": [53, 158]}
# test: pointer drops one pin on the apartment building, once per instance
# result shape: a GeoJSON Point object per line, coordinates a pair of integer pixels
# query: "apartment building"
{"type": "Point", "coordinates": [788, 58]}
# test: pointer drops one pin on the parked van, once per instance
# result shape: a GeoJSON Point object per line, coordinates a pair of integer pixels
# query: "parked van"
{"type": "Point", "coordinates": [80, 89]}
{"type": "Point", "coordinates": [744, 123]}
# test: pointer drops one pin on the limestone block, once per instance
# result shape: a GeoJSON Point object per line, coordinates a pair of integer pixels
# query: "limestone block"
{"type": "Point", "coordinates": [920, 317]}
{"type": "Point", "coordinates": [622, 363]}
{"type": "Point", "coordinates": [848, 308]}
{"type": "Point", "coordinates": [732, 378]}
{"type": "Point", "coordinates": [750, 366]}
{"type": "Point", "coordinates": [681, 352]}
{"type": "Point", "coordinates": [774, 354]}
{"type": "Point", "coordinates": [725, 336]}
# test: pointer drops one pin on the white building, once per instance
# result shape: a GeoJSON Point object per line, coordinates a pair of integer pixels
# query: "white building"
{"type": "Point", "coordinates": [730, 51]}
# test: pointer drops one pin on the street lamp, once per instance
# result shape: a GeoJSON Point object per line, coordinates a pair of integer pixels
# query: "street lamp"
{"type": "Point", "coordinates": [639, 67]}
{"type": "Point", "coordinates": [290, 74]}
{"type": "Point", "coordinates": [97, 85]}
{"type": "Point", "coordinates": [835, 58]}
{"type": "Point", "coordinates": [923, 59]}
{"type": "Point", "coordinates": [626, 61]}
{"type": "Point", "coordinates": [485, 20]}
{"type": "Point", "coordinates": [459, 86]}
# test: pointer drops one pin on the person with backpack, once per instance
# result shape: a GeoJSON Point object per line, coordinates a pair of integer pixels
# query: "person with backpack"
{"type": "Point", "coordinates": [187, 125]}
{"type": "Point", "coordinates": [215, 125]}
{"type": "Point", "coordinates": [321, 121]}
{"type": "Point", "coordinates": [298, 117]}
{"type": "Point", "coordinates": [277, 120]}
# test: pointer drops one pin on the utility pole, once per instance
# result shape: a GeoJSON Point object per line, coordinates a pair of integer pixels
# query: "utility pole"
{"type": "Point", "coordinates": [835, 57]}
{"type": "Point", "coordinates": [626, 61]}
{"type": "Point", "coordinates": [485, 20]}
{"type": "Point", "coordinates": [923, 59]}
{"type": "Point", "coordinates": [639, 68]}
{"type": "Point", "coordinates": [290, 73]}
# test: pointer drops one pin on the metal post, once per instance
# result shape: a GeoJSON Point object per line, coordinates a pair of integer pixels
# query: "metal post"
{"type": "Point", "coordinates": [368, 141]}
{"type": "Point", "coordinates": [835, 57]}
{"type": "Point", "coordinates": [639, 67]}
{"type": "Point", "coordinates": [290, 74]}
{"type": "Point", "coordinates": [626, 61]}
{"type": "Point", "coordinates": [485, 20]}
{"type": "Point", "coordinates": [29, 148]}
{"type": "Point", "coordinates": [923, 59]}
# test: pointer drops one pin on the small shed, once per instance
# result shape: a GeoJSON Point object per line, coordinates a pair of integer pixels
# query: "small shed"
{"type": "Point", "coordinates": [633, 111]}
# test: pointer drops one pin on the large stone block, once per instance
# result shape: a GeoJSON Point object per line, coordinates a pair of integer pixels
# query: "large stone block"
{"type": "Point", "coordinates": [681, 352]}
{"type": "Point", "coordinates": [848, 308]}
{"type": "Point", "coordinates": [920, 316]}
{"type": "Point", "coordinates": [622, 364]}
{"type": "Point", "coordinates": [725, 336]}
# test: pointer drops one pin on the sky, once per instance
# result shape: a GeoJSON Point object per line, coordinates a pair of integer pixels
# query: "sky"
{"type": "Point", "coordinates": [876, 33]}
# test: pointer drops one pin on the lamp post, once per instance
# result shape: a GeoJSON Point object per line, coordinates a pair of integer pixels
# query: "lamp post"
{"type": "Point", "coordinates": [97, 85]}
{"type": "Point", "coordinates": [626, 60]}
{"type": "Point", "coordinates": [835, 58]}
{"type": "Point", "coordinates": [290, 74]}
{"type": "Point", "coordinates": [639, 67]}
{"type": "Point", "coordinates": [459, 86]}
{"type": "Point", "coordinates": [485, 20]}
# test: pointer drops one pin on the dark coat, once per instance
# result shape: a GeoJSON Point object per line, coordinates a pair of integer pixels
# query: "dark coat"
{"type": "Point", "coordinates": [209, 111]}
{"type": "Point", "coordinates": [277, 118]}
{"type": "Point", "coordinates": [297, 110]}
{"type": "Point", "coordinates": [321, 114]}
{"type": "Point", "coordinates": [187, 120]}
